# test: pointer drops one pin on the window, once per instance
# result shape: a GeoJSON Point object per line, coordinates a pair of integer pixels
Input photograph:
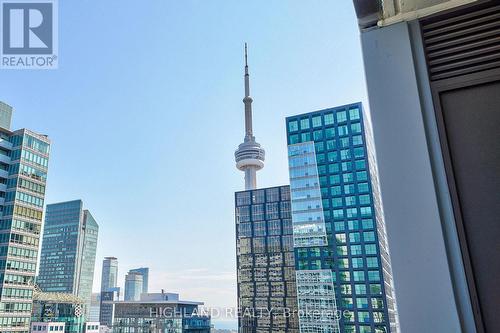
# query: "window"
{"type": "Point", "coordinates": [330, 133]}
{"type": "Point", "coordinates": [339, 226]}
{"type": "Point", "coordinates": [356, 128]}
{"type": "Point", "coordinates": [357, 140]}
{"type": "Point", "coordinates": [375, 289]}
{"type": "Point", "coordinates": [361, 176]}
{"type": "Point", "coordinates": [367, 224]}
{"type": "Point", "coordinates": [356, 250]}
{"type": "Point", "coordinates": [337, 202]}
{"type": "Point", "coordinates": [360, 289]}
{"type": "Point", "coordinates": [318, 135]}
{"type": "Point", "coordinates": [377, 303]}
{"type": "Point", "coordinates": [304, 123]}
{"type": "Point", "coordinates": [369, 236]}
{"type": "Point", "coordinates": [342, 250]}
{"type": "Point", "coordinates": [336, 190]}
{"type": "Point", "coordinates": [345, 154]}
{"type": "Point", "coordinates": [355, 237]}
{"type": "Point", "coordinates": [345, 289]}
{"type": "Point", "coordinates": [353, 225]}
{"type": "Point", "coordinates": [340, 238]}
{"type": "Point", "coordinates": [343, 130]}
{"type": "Point", "coordinates": [364, 317]}
{"type": "Point", "coordinates": [374, 275]}
{"type": "Point", "coordinates": [343, 263]}
{"type": "Point", "coordinates": [366, 211]}
{"type": "Point", "coordinates": [329, 119]}
{"type": "Point", "coordinates": [357, 262]}
{"type": "Point", "coordinates": [352, 212]}
{"type": "Point", "coordinates": [333, 168]}
{"type": "Point", "coordinates": [348, 177]}
{"type": "Point", "coordinates": [362, 303]}
{"type": "Point", "coordinates": [320, 146]}
{"type": "Point", "coordinates": [359, 276]}
{"type": "Point", "coordinates": [341, 117]}
{"type": "Point", "coordinates": [316, 121]}
{"type": "Point", "coordinates": [354, 114]}
{"type": "Point", "coordinates": [370, 249]}
{"type": "Point", "coordinates": [364, 199]}
{"type": "Point", "coordinates": [346, 166]}
{"type": "Point", "coordinates": [293, 126]}
{"type": "Point", "coordinates": [372, 262]}
{"type": "Point", "coordinates": [363, 187]}
{"type": "Point", "coordinates": [338, 214]}
{"type": "Point", "coordinates": [332, 156]}
{"type": "Point", "coordinates": [330, 144]}
{"type": "Point", "coordinates": [306, 137]}
{"type": "Point", "coordinates": [350, 201]}
{"type": "Point", "coordinates": [349, 189]}
{"type": "Point", "coordinates": [294, 139]}
{"type": "Point", "coordinates": [344, 142]}
{"type": "Point", "coordinates": [360, 165]}
{"type": "Point", "coordinates": [335, 179]}
{"type": "Point", "coordinates": [359, 152]}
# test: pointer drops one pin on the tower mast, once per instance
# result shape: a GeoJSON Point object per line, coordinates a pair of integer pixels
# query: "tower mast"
{"type": "Point", "coordinates": [250, 155]}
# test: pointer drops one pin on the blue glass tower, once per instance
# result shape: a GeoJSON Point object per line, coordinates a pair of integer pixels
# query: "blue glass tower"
{"type": "Point", "coordinates": [68, 253]}
{"type": "Point", "coordinates": [342, 257]}
{"type": "Point", "coordinates": [24, 159]}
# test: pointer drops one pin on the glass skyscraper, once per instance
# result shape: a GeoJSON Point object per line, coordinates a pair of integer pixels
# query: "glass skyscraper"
{"type": "Point", "coordinates": [341, 252]}
{"type": "Point", "coordinates": [109, 273]}
{"type": "Point", "coordinates": [23, 172]}
{"type": "Point", "coordinates": [68, 253]}
{"type": "Point", "coordinates": [133, 286]}
{"type": "Point", "coordinates": [144, 271]}
{"type": "Point", "coordinates": [265, 261]}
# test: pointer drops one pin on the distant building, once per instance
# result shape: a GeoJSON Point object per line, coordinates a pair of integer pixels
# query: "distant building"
{"type": "Point", "coordinates": [59, 308]}
{"type": "Point", "coordinates": [68, 253]}
{"type": "Point", "coordinates": [109, 273]}
{"type": "Point", "coordinates": [133, 286]}
{"type": "Point", "coordinates": [144, 271]}
{"type": "Point", "coordinates": [95, 306]}
{"type": "Point", "coordinates": [91, 327]}
{"type": "Point", "coordinates": [107, 307]}
{"type": "Point", "coordinates": [24, 158]}
{"type": "Point", "coordinates": [157, 312]}
{"type": "Point", "coordinates": [44, 327]}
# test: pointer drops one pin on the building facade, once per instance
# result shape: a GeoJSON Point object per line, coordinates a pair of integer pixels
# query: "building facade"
{"type": "Point", "coordinates": [59, 308]}
{"type": "Point", "coordinates": [109, 273]}
{"type": "Point", "coordinates": [67, 259]}
{"type": "Point", "coordinates": [338, 223]}
{"type": "Point", "coordinates": [133, 286]}
{"type": "Point", "coordinates": [161, 312]}
{"type": "Point", "coordinates": [144, 271]}
{"type": "Point", "coordinates": [107, 308]}
{"type": "Point", "coordinates": [24, 159]}
{"type": "Point", "coordinates": [433, 75]}
{"type": "Point", "coordinates": [265, 261]}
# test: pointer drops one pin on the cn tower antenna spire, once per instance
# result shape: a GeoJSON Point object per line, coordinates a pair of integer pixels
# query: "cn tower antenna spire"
{"type": "Point", "coordinates": [249, 155]}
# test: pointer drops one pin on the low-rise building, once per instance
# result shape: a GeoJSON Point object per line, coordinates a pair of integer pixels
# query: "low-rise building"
{"type": "Point", "coordinates": [159, 311]}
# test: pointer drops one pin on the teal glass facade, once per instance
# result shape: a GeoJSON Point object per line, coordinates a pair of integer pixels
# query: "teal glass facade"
{"type": "Point", "coordinates": [329, 157]}
{"type": "Point", "coordinates": [24, 159]}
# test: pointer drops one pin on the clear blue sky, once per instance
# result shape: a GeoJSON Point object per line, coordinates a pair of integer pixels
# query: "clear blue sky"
{"type": "Point", "coordinates": [145, 113]}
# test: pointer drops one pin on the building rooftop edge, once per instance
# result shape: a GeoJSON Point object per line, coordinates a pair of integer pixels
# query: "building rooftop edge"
{"type": "Point", "coordinates": [323, 110]}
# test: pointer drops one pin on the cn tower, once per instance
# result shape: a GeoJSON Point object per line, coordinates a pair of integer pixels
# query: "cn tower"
{"type": "Point", "coordinates": [250, 155]}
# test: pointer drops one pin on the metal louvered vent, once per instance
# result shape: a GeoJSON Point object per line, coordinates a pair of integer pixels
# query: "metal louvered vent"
{"type": "Point", "coordinates": [463, 42]}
